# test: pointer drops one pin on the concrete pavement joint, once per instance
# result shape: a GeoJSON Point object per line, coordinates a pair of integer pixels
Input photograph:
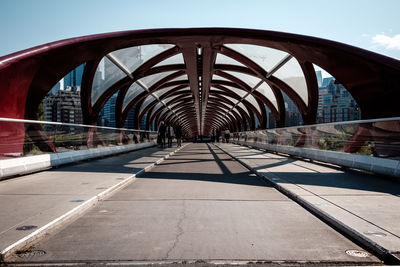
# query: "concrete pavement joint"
{"type": "Point", "coordinates": [367, 243]}
{"type": "Point", "coordinates": [56, 223]}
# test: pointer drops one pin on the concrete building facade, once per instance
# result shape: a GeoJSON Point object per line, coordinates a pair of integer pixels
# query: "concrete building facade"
{"type": "Point", "coordinates": [335, 103]}
{"type": "Point", "coordinates": [63, 106]}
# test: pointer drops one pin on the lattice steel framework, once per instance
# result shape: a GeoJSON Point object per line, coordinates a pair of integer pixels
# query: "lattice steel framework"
{"type": "Point", "coordinates": [202, 79]}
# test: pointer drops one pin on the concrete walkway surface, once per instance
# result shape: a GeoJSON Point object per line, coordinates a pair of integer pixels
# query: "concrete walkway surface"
{"type": "Point", "coordinates": [30, 202]}
{"type": "Point", "coordinates": [366, 204]}
{"type": "Point", "coordinates": [198, 205]}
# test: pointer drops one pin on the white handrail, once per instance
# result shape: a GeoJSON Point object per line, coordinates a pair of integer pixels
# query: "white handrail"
{"type": "Point", "coordinates": [328, 124]}
{"type": "Point", "coordinates": [71, 124]}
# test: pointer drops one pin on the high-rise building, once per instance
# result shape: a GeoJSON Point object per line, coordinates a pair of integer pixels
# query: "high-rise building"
{"type": "Point", "coordinates": [293, 116]}
{"type": "Point", "coordinates": [63, 106]}
{"type": "Point", "coordinates": [74, 78]}
{"type": "Point", "coordinates": [63, 102]}
{"type": "Point", "coordinates": [335, 103]}
{"type": "Point", "coordinates": [143, 122]}
{"type": "Point", "coordinates": [107, 114]}
{"type": "Point", "coordinates": [109, 111]}
{"type": "Point", "coordinates": [270, 119]}
{"type": "Point", "coordinates": [55, 88]}
{"type": "Point", "coordinates": [100, 119]}
{"type": "Point", "coordinates": [319, 78]}
{"type": "Point", "coordinates": [129, 122]}
{"type": "Point", "coordinates": [106, 74]}
{"type": "Point", "coordinates": [326, 81]}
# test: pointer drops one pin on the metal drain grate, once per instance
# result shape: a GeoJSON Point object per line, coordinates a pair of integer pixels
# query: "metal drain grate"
{"type": "Point", "coordinates": [26, 227]}
{"type": "Point", "coordinates": [357, 253]}
{"type": "Point", "coordinates": [30, 253]}
{"type": "Point", "coordinates": [77, 200]}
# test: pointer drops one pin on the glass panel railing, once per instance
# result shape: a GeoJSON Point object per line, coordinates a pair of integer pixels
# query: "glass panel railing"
{"type": "Point", "coordinates": [27, 137]}
{"type": "Point", "coordinates": [378, 138]}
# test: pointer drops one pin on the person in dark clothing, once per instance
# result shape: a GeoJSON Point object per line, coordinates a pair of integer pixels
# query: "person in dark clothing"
{"type": "Point", "coordinates": [135, 139]}
{"type": "Point", "coordinates": [161, 134]}
{"type": "Point", "coordinates": [227, 135]}
{"type": "Point", "coordinates": [170, 134]}
{"type": "Point", "coordinates": [178, 135]}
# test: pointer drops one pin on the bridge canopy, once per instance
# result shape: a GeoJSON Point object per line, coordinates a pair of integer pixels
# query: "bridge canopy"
{"type": "Point", "coordinates": [203, 79]}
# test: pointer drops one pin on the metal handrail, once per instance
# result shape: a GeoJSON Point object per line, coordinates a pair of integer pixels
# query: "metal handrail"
{"type": "Point", "coordinates": [72, 125]}
{"type": "Point", "coordinates": [327, 124]}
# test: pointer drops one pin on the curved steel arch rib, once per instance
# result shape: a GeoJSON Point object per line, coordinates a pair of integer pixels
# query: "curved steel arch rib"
{"type": "Point", "coordinates": [251, 110]}
{"type": "Point", "coordinates": [227, 104]}
{"type": "Point", "coordinates": [143, 95]}
{"type": "Point", "coordinates": [146, 69]}
{"type": "Point", "coordinates": [176, 100]}
{"type": "Point", "coordinates": [188, 108]}
{"type": "Point", "coordinates": [179, 90]}
{"type": "Point", "coordinates": [255, 70]}
{"type": "Point", "coordinates": [170, 93]}
{"type": "Point", "coordinates": [234, 118]}
{"type": "Point", "coordinates": [277, 86]}
{"type": "Point", "coordinates": [219, 113]}
{"type": "Point", "coordinates": [172, 101]}
{"type": "Point", "coordinates": [168, 115]}
{"type": "Point", "coordinates": [184, 112]}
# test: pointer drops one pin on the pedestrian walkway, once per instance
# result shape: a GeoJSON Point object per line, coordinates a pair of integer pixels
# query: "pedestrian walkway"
{"type": "Point", "coordinates": [198, 205]}
{"type": "Point", "coordinates": [30, 202]}
{"type": "Point", "coordinates": [366, 205]}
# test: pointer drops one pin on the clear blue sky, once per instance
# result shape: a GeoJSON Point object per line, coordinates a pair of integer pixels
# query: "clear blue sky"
{"type": "Point", "coordinates": [370, 24]}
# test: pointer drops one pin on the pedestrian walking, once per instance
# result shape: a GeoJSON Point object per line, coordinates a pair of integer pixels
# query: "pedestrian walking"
{"type": "Point", "coordinates": [178, 135]}
{"type": "Point", "coordinates": [170, 135]}
{"type": "Point", "coordinates": [161, 134]}
{"type": "Point", "coordinates": [227, 135]}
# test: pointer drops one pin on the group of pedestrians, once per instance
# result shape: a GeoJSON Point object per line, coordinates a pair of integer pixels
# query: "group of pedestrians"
{"type": "Point", "coordinates": [167, 131]}
{"type": "Point", "coordinates": [215, 135]}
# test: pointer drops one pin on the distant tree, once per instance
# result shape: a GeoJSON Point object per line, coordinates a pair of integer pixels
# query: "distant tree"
{"type": "Point", "coordinates": [40, 113]}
